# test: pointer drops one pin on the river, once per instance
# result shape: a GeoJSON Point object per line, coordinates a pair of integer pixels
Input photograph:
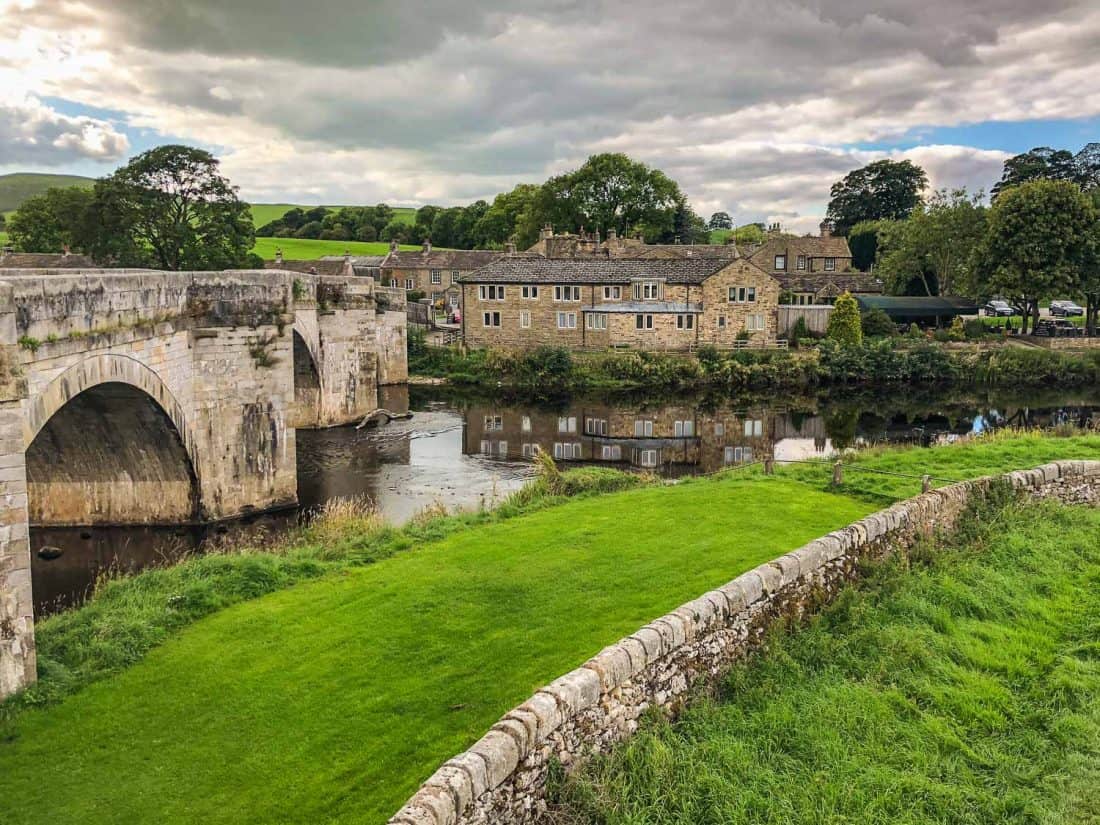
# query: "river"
{"type": "Point", "coordinates": [468, 451]}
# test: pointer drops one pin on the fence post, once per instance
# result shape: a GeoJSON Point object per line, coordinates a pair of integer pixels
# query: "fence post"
{"type": "Point", "coordinates": [838, 474]}
{"type": "Point", "coordinates": [925, 483]}
{"type": "Point", "coordinates": [769, 466]}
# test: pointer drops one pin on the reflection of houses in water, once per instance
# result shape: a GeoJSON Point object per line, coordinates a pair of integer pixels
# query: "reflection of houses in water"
{"type": "Point", "coordinates": [675, 439]}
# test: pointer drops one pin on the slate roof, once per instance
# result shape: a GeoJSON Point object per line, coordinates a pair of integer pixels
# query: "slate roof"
{"type": "Point", "coordinates": [43, 260]}
{"type": "Point", "coordinates": [726, 251]}
{"type": "Point", "coordinates": [316, 267]}
{"type": "Point", "coordinates": [463, 259]}
{"type": "Point", "coordinates": [812, 246]}
{"type": "Point", "coordinates": [854, 282]}
{"type": "Point", "coordinates": [905, 306]}
{"type": "Point", "coordinates": [534, 269]}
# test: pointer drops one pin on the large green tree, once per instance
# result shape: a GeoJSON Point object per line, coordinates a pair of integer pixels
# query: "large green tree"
{"type": "Point", "coordinates": [936, 244]}
{"type": "Point", "coordinates": [1045, 163]}
{"type": "Point", "coordinates": [58, 218]}
{"type": "Point", "coordinates": [171, 208]}
{"type": "Point", "coordinates": [1038, 243]}
{"type": "Point", "coordinates": [511, 217]}
{"type": "Point", "coordinates": [863, 241]}
{"type": "Point", "coordinates": [885, 189]}
{"type": "Point", "coordinates": [720, 220]}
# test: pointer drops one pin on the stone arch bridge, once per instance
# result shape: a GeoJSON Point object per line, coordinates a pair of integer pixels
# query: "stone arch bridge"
{"type": "Point", "coordinates": [139, 397]}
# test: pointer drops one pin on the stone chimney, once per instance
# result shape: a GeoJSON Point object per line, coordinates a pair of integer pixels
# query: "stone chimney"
{"type": "Point", "coordinates": [347, 254]}
{"type": "Point", "coordinates": [612, 235]}
{"type": "Point", "coordinates": [826, 228]}
{"type": "Point", "coordinates": [547, 231]}
{"type": "Point", "coordinates": [427, 245]}
{"type": "Point", "coordinates": [278, 256]}
{"type": "Point", "coordinates": [65, 251]}
{"type": "Point", "coordinates": [393, 245]}
{"type": "Point", "coordinates": [510, 248]}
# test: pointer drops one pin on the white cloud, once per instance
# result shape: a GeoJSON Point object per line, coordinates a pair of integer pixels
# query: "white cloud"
{"type": "Point", "coordinates": [33, 133]}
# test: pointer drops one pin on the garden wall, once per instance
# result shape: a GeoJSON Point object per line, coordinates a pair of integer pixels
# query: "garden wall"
{"type": "Point", "coordinates": [502, 777]}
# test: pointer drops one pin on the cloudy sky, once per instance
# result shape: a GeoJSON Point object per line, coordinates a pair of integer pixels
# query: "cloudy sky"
{"type": "Point", "coordinates": [754, 106]}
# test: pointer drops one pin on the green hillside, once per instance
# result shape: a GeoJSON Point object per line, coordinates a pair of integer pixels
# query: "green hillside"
{"type": "Point", "coordinates": [264, 213]}
{"type": "Point", "coordinates": [17, 187]}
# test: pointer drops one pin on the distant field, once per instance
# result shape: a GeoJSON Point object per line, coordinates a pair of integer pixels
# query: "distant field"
{"type": "Point", "coordinates": [264, 213]}
{"type": "Point", "coordinates": [17, 187]}
{"type": "Point", "coordinates": [303, 249]}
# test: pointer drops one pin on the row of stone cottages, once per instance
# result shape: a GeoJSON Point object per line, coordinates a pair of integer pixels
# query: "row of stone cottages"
{"type": "Point", "coordinates": [583, 292]}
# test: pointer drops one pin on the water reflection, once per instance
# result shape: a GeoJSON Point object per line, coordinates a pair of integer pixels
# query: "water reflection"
{"type": "Point", "coordinates": [466, 453]}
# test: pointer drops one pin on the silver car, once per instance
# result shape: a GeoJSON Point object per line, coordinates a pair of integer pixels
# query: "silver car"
{"type": "Point", "coordinates": [1065, 309]}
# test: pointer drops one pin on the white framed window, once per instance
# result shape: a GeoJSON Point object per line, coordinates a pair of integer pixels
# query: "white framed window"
{"type": "Point", "coordinates": [805, 298]}
{"type": "Point", "coordinates": [720, 428]}
{"type": "Point", "coordinates": [502, 449]}
{"type": "Point", "coordinates": [567, 293]}
{"type": "Point", "coordinates": [643, 428]}
{"type": "Point", "coordinates": [611, 452]}
{"type": "Point", "coordinates": [754, 323]}
{"type": "Point", "coordinates": [647, 290]}
{"type": "Point", "coordinates": [525, 320]}
{"type": "Point", "coordinates": [647, 458]}
{"type": "Point", "coordinates": [800, 263]}
{"type": "Point", "coordinates": [486, 447]}
{"type": "Point", "coordinates": [830, 264]}
{"type": "Point", "coordinates": [490, 319]}
{"type": "Point", "coordinates": [737, 455]}
{"type": "Point", "coordinates": [490, 292]}
{"type": "Point", "coordinates": [596, 320]}
{"type": "Point", "coordinates": [494, 422]}
{"type": "Point", "coordinates": [643, 322]}
{"type": "Point", "coordinates": [437, 276]}
{"type": "Point", "coordinates": [569, 450]}
{"type": "Point", "coordinates": [529, 450]}
{"type": "Point", "coordinates": [685, 322]}
{"type": "Point", "coordinates": [612, 293]}
{"type": "Point", "coordinates": [683, 429]}
{"type": "Point", "coordinates": [595, 426]}
{"type": "Point", "coordinates": [531, 293]}
{"type": "Point", "coordinates": [742, 294]}
{"type": "Point", "coordinates": [721, 322]}
{"type": "Point", "coordinates": [780, 262]}
{"type": "Point", "coordinates": [455, 274]}
{"type": "Point", "coordinates": [410, 283]}
{"type": "Point", "coordinates": [567, 320]}
{"type": "Point", "coordinates": [753, 427]}
{"type": "Point", "coordinates": [525, 424]}
{"type": "Point", "coordinates": [567, 424]}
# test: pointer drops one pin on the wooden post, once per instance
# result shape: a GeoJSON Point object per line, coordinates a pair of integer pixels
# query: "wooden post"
{"type": "Point", "coordinates": [769, 466]}
{"type": "Point", "coordinates": [925, 483]}
{"type": "Point", "coordinates": [838, 474]}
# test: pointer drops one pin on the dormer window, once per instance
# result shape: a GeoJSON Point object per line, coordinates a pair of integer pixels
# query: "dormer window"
{"type": "Point", "coordinates": [801, 263]}
{"type": "Point", "coordinates": [647, 290]}
{"type": "Point", "coordinates": [830, 264]}
{"type": "Point", "coordinates": [780, 261]}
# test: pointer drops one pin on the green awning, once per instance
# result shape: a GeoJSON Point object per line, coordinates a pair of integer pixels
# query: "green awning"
{"type": "Point", "coordinates": [907, 306]}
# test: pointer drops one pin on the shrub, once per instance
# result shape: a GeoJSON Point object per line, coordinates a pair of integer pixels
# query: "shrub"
{"type": "Point", "coordinates": [975, 328]}
{"type": "Point", "coordinates": [844, 322]}
{"type": "Point", "coordinates": [799, 330]}
{"type": "Point", "coordinates": [877, 324]}
{"type": "Point", "coordinates": [957, 332]}
{"type": "Point", "coordinates": [914, 331]}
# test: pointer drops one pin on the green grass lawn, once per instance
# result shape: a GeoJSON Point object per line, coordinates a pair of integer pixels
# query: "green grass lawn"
{"type": "Point", "coordinates": [331, 701]}
{"type": "Point", "coordinates": [304, 249]}
{"type": "Point", "coordinates": [966, 692]}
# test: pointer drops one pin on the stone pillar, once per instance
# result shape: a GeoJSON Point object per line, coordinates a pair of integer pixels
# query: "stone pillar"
{"type": "Point", "coordinates": [347, 325]}
{"type": "Point", "coordinates": [17, 658]}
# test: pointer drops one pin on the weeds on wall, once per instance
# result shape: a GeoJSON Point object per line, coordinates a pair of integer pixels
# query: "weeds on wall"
{"type": "Point", "coordinates": [261, 351]}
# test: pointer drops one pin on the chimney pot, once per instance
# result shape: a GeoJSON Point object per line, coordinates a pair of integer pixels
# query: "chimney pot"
{"type": "Point", "coordinates": [393, 245]}
{"type": "Point", "coordinates": [510, 248]}
{"type": "Point", "coordinates": [427, 245]}
{"type": "Point", "coordinates": [278, 256]}
{"type": "Point", "coordinates": [826, 229]}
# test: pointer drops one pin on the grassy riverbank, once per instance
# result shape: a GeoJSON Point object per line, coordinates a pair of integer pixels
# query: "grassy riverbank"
{"type": "Point", "coordinates": [548, 370]}
{"type": "Point", "coordinates": [331, 700]}
{"type": "Point", "coordinates": [964, 692]}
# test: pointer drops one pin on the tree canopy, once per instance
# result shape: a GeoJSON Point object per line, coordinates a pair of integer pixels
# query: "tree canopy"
{"type": "Point", "coordinates": [885, 189]}
{"type": "Point", "coordinates": [56, 219]}
{"type": "Point", "coordinates": [720, 220]}
{"type": "Point", "coordinates": [1045, 163]}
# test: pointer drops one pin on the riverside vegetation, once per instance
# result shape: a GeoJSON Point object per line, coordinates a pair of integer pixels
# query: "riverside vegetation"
{"type": "Point", "coordinates": [397, 647]}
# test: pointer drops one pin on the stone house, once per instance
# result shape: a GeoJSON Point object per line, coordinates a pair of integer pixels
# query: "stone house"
{"type": "Point", "coordinates": [435, 272]}
{"type": "Point", "coordinates": [588, 245]}
{"type": "Point", "coordinates": [44, 260]}
{"type": "Point", "coordinates": [812, 269]}
{"type": "Point", "coordinates": [329, 267]}
{"type": "Point", "coordinates": [521, 301]}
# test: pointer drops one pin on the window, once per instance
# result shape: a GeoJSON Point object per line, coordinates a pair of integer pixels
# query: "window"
{"type": "Point", "coordinates": [754, 323]}
{"type": "Point", "coordinates": [643, 428]}
{"type": "Point", "coordinates": [567, 320]}
{"type": "Point", "coordinates": [490, 292]}
{"type": "Point", "coordinates": [647, 290]}
{"type": "Point", "coordinates": [437, 276]}
{"type": "Point", "coordinates": [612, 293]}
{"type": "Point", "coordinates": [804, 298]}
{"type": "Point", "coordinates": [780, 262]}
{"type": "Point", "coordinates": [530, 292]}
{"type": "Point", "coordinates": [754, 427]}
{"type": "Point", "coordinates": [742, 294]}
{"type": "Point", "coordinates": [611, 452]}
{"type": "Point", "coordinates": [567, 424]}
{"type": "Point", "coordinates": [801, 263]}
{"type": "Point", "coordinates": [647, 458]}
{"type": "Point", "coordinates": [529, 450]}
{"type": "Point", "coordinates": [567, 450]}
{"type": "Point", "coordinates": [685, 322]}
{"type": "Point", "coordinates": [491, 448]}
{"type": "Point", "coordinates": [721, 322]}
{"type": "Point", "coordinates": [454, 276]}
{"type": "Point", "coordinates": [830, 264]}
{"type": "Point", "coordinates": [684, 429]}
{"type": "Point", "coordinates": [525, 424]}
{"type": "Point", "coordinates": [491, 319]}
{"type": "Point", "coordinates": [494, 422]}
{"type": "Point", "coordinates": [567, 293]}
{"type": "Point", "coordinates": [595, 426]}
{"type": "Point", "coordinates": [525, 320]}
{"type": "Point", "coordinates": [737, 455]}
{"type": "Point", "coordinates": [643, 322]}
{"type": "Point", "coordinates": [410, 283]}
{"type": "Point", "coordinates": [596, 320]}
{"type": "Point", "coordinates": [720, 429]}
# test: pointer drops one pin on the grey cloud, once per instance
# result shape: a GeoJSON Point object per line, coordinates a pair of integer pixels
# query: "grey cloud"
{"type": "Point", "coordinates": [36, 135]}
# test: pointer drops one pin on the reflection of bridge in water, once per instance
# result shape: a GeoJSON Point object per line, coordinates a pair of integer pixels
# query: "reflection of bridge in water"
{"type": "Point", "coordinates": [139, 397]}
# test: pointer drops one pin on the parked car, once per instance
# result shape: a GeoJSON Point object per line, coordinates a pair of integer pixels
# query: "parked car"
{"type": "Point", "coordinates": [1057, 328]}
{"type": "Point", "coordinates": [1000, 309]}
{"type": "Point", "coordinates": [1066, 309]}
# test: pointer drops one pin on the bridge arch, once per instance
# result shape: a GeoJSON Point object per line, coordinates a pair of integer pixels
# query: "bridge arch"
{"type": "Point", "coordinates": [308, 381]}
{"type": "Point", "coordinates": [107, 442]}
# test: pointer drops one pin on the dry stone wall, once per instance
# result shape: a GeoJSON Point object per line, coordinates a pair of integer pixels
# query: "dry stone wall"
{"type": "Point", "coordinates": [501, 779]}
